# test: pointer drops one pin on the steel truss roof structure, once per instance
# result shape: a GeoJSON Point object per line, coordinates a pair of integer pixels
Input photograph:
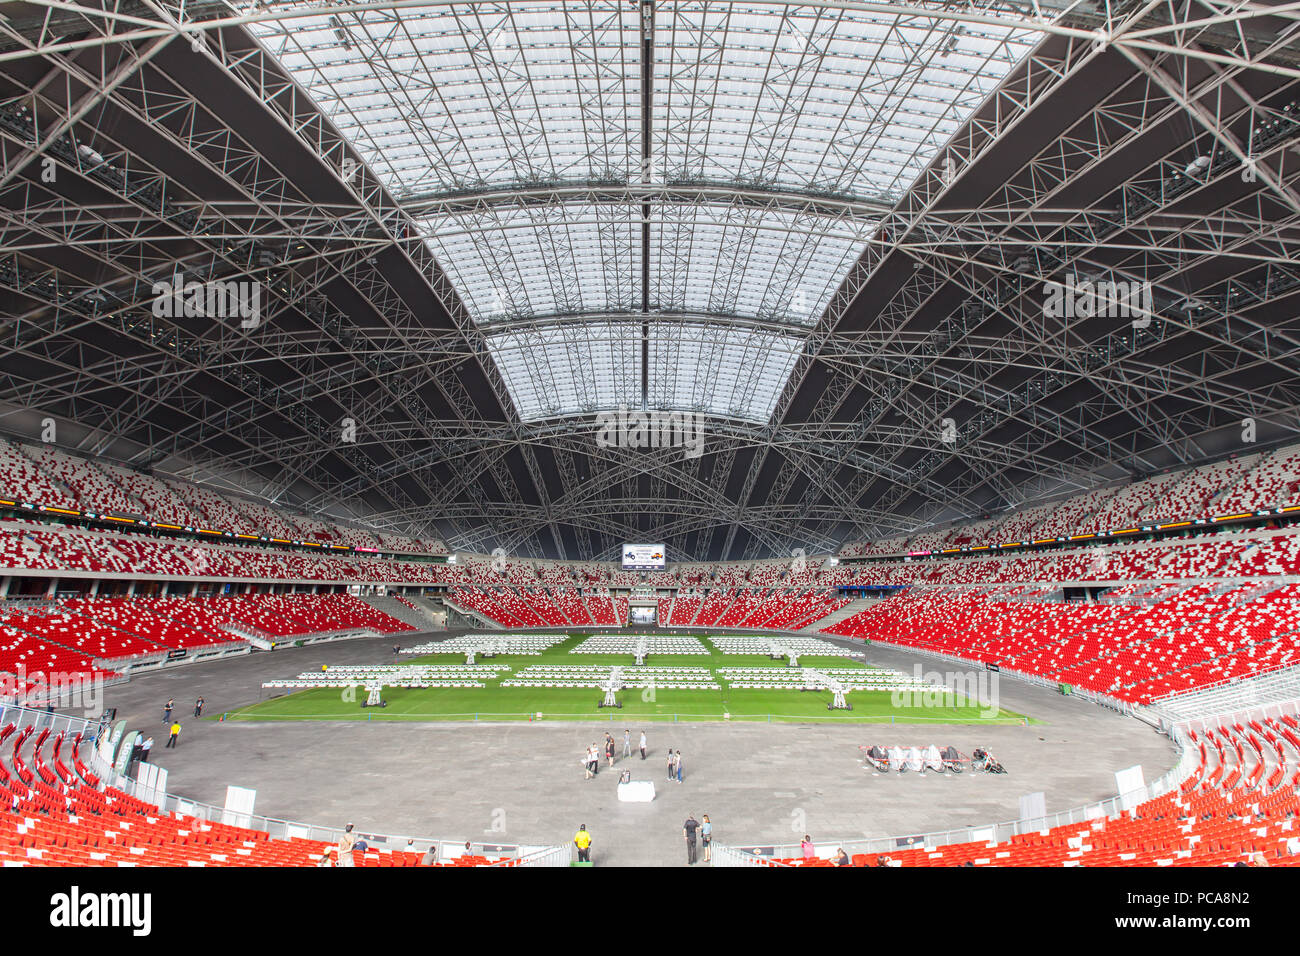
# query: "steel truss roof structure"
{"type": "Point", "coordinates": [479, 228]}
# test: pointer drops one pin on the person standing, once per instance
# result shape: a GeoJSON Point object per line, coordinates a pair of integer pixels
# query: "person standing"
{"type": "Point", "coordinates": [175, 732]}
{"type": "Point", "coordinates": [643, 745]}
{"type": "Point", "coordinates": [586, 763]}
{"type": "Point", "coordinates": [595, 760]}
{"type": "Point", "coordinates": [582, 840]}
{"type": "Point", "coordinates": [706, 837]}
{"type": "Point", "coordinates": [145, 749]}
{"type": "Point", "coordinates": [627, 744]}
{"type": "Point", "coordinates": [688, 831]}
{"type": "Point", "coordinates": [347, 841]}
{"type": "Point", "coordinates": [671, 764]}
{"type": "Point", "coordinates": [609, 748]}
{"type": "Point", "coordinates": [677, 763]}
{"type": "Point", "coordinates": [198, 707]}
{"type": "Point", "coordinates": [167, 710]}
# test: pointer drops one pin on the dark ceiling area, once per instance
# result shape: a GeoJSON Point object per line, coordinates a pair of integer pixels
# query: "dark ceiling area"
{"type": "Point", "coordinates": [937, 384]}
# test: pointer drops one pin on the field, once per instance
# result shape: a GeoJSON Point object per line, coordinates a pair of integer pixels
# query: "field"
{"type": "Point", "coordinates": [494, 702]}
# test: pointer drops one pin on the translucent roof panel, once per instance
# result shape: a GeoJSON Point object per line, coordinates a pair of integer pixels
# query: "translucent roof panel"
{"type": "Point", "coordinates": [512, 261]}
{"type": "Point", "coordinates": [839, 100]}
{"type": "Point", "coordinates": [740, 259]}
{"type": "Point", "coordinates": [512, 132]}
{"type": "Point", "coordinates": [569, 368]}
{"type": "Point", "coordinates": [726, 371]}
{"type": "Point", "coordinates": [459, 96]}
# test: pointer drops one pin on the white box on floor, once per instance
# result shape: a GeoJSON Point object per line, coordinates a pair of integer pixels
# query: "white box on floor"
{"type": "Point", "coordinates": [637, 791]}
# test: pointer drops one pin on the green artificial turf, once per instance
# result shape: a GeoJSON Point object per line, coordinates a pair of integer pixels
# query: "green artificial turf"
{"type": "Point", "coordinates": [494, 702]}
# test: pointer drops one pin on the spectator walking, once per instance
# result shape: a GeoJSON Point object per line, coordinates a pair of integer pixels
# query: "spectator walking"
{"type": "Point", "coordinates": [677, 764]}
{"type": "Point", "coordinates": [627, 743]}
{"type": "Point", "coordinates": [595, 760]}
{"type": "Point", "coordinates": [689, 829]}
{"type": "Point", "coordinates": [198, 707]}
{"type": "Point", "coordinates": [167, 710]}
{"type": "Point", "coordinates": [706, 838]}
{"type": "Point", "coordinates": [145, 748]}
{"type": "Point", "coordinates": [175, 732]}
{"type": "Point", "coordinates": [582, 840]}
{"type": "Point", "coordinates": [643, 745]}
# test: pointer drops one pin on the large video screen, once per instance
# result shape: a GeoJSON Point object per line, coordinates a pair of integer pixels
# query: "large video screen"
{"type": "Point", "coordinates": [643, 557]}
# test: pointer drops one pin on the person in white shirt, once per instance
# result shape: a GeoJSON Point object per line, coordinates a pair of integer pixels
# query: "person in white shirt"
{"type": "Point", "coordinates": [643, 745]}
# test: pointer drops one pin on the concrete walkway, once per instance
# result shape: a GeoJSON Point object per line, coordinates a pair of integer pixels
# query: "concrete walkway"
{"type": "Point", "coordinates": [523, 783]}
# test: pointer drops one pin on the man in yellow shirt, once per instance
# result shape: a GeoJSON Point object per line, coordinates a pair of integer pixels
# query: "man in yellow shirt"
{"type": "Point", "coordinates": [582, 840]}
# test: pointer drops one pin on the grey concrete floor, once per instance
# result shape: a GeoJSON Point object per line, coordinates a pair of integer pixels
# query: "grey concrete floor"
{"type": "Point", "coordinates": [522, 783]}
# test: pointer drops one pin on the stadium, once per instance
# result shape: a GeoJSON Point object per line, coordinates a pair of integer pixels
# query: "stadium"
{"type": "Point", "coordinates": [489, 434]}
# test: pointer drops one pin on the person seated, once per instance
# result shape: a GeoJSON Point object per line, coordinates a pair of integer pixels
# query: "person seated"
{"type": "Point", "coordinates": [842, 858]}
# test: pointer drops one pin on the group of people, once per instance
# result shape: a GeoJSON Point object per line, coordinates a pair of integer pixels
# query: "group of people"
{"type": "Point", "coordinates": [591, 760]}
{"type": "Point", "coordinates": [174, 730]}
{"type": "Point", "coordinates": [141, 749]}
{"type": "Point", "coordinates": [696, 833]}
{"type": "Point", "coordinates": [705, 830]}
{"type": "Point", "coordinates": [675, 765]}
{"type": "Point", "coordinates": [841, 857]}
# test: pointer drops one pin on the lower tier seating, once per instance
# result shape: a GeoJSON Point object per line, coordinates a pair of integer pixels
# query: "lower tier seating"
{"type": "Point", "coordinates": [1239, 805]}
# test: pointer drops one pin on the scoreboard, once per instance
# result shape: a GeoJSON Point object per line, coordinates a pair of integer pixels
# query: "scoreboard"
{"type": "Point", "coordinates": [643, 557]}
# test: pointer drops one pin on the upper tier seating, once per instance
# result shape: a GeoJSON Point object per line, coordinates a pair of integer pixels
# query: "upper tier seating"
{"type": "Point", "coordinates": [214, 510]}
{"type": "Point", "coordinates": [20, 478]}
{"type": "Point", "coordinates": [1274, 481]}
{"type": "Point", "coordinates": [159, 501]}
{"type": "Point", "coordinates": [93, 489]}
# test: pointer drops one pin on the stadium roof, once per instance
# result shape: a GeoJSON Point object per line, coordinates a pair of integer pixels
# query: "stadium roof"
{"type": "Point", "coordinates": [825, 227]}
